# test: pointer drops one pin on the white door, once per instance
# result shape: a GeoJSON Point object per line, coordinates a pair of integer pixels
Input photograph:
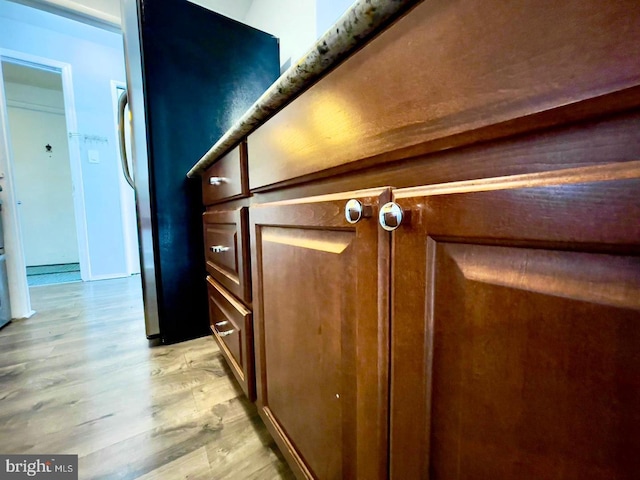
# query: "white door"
{"type": "Point", "coordinates": [16, 270]}
{"type": "Point", "coordinates": [41, 167]}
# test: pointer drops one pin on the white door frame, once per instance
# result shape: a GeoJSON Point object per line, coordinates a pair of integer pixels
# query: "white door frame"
{"type": "Point", "coordinates": [16, 267]}
{"type": "Point", "coordinates": [130, 237]}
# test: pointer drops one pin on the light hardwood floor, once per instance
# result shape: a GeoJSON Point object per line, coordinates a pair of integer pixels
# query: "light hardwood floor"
{"type": "Point", "coordinates": [80, 378]}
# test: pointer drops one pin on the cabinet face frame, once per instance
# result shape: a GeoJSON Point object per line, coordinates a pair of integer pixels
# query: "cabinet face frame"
{"type": "Point", "coordinates": [317, 225]}
{"type": "Point", "coordinates": [592, 211]}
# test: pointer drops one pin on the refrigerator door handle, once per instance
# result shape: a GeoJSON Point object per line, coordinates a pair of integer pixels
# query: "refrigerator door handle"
{"type": "Point", "coordinates": [122, 104]}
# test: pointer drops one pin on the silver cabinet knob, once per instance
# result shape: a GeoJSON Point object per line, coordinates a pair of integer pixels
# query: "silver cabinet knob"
{"type": "Point", "coordinates": [222, 323]}
{"type": "Point", "coordinates": [354, 211]}
{"type": "Point", "coordinates": [390, 216]}
{"type": "Point", "coordinates": [219, 248]}
{"type": "Point", "coordinates": [225, 333]}
{"type": "Point", "coordinates": [215, 181]}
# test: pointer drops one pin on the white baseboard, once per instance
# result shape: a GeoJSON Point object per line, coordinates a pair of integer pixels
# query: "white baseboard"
{"type": "Point", "coordinates": [29, 314]}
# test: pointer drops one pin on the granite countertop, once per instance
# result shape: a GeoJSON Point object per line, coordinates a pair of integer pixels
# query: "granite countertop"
{"type": "Point", "coordinates": [361, 22]}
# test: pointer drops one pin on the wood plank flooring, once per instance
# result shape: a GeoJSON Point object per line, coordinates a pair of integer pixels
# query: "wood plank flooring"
{"type": "Point", "coordinates": [80, 378]}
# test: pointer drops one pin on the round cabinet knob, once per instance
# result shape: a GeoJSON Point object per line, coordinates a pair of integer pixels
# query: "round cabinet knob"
{"type": "Point", "coordinates": [390, 216]}
{"type": "Point", "coordinates": [353, 211]}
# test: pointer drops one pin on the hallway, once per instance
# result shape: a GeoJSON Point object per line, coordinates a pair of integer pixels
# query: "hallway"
{"type": "Point", "coordinates": [79, 378]}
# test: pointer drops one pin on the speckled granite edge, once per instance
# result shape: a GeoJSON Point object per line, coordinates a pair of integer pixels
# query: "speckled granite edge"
{"type": "Point", "coordinates": [363, 20]}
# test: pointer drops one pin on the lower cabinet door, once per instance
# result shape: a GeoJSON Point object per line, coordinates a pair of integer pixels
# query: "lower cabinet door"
{"type": "Point", "coordinates": [231, 326]}
{"type": "Point", "coordinates": [321, 332]}
{"type": "Point", "coordinates": [515, 336]}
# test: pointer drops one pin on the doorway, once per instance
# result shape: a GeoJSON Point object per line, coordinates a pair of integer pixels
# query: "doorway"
{"type": "Point", "coordinates": [42, 173]}
{"type": "Point", "coordinates": [13, 234]}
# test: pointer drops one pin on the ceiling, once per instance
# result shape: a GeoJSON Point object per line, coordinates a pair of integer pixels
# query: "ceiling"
{"type": "Point", "coordinates": [106, 13]}
{"type": "Point", "coordinates": [15, 73]}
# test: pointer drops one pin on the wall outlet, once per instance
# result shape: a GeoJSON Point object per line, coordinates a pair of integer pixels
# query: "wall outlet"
{"type": "Point", "coordinates": [94, 156]}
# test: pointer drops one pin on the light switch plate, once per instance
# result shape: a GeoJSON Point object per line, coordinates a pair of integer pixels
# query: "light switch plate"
{"type": "Point", "coordinates": [94, 156]}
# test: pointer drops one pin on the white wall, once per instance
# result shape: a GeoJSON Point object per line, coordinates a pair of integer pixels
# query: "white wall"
{"type": "Point", "coordinates": [297, 23]}
{"type": "Point", "coordinates": [237, 9]}
{"type": "Point", "coordinates": [292, 21]}
{"type": "Point", "coordinates": [96, 57]}
{"type": "Point", "coordinates": [42, 180]}
{"type": "Point", "coordinates": [102, 13]}
{"type": "Point", "coordinates": [328, 11]}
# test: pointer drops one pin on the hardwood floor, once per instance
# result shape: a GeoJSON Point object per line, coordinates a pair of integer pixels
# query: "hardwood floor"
{"type": "Point", "coordinates": [80, 378]}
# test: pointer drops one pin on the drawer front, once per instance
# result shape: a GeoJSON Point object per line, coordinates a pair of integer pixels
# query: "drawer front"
{"type": "Point", "coordinates": [226, 243]}
{"type": "Point", "coordinates": [231, 326]}
{"type": "Point", "coordinates": [227, 178]}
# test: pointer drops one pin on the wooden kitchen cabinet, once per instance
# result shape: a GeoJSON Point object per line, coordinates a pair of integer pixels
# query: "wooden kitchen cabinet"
{"type": "Point", "coordinates": [227, 178]}
{"type": "Point", "coordinates": [321, 323]}
{"type": "Point", "coordinates": [516, 328]}
{"type": "Point", "coordinates": [494, 334]}
{"type": "Point", "coordinates": [226, 245]}
{"type": "Point", "coordinates": [226, 252]}
{"type": "Point", "coordinates": [232, 327]}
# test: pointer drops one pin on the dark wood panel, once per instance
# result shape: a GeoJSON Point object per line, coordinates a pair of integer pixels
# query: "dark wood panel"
{"type": "Point", "coordinates": [304, 354]}
{"type": "Point", "coordinates": [321, 326]}
{"type": "Point", "coordinates": [226, 246]}
{"type": "Point", "coordinates": [227, 178]}
{"type": "Point", "coordinates": [606, 140]}
{"type": "Point", "coordinates": [232, 327]}
{"type": "Point", "coordinates": [221, 240]}
{"type": "Point", "coordinates": [516, 321]}
{"type": "Point", "coordinates": [453, 73]}
{"type": "Point", "coordinates": [600, 202]}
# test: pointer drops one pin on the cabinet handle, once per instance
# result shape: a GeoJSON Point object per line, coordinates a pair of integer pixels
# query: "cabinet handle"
{"type": "Point", "coordinates": [219, 248]}
{"type": "Point", "coordinates": [225, 333]}
{"type": "Point", "coordinates": [390, 216]}
{"type": "Point", "coordinates": [215, 181]}
{"type": "Point", "coordinates": [222, 323]}
{"type": "Point", "coordinates": [354, 211]}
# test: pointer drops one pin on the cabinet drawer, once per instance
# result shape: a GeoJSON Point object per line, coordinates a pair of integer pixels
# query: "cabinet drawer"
{"type": "Point", "coordinates": [227, 178]}
{"type": "Point", "coordinates": [232, 328]}
{"type": "Point", "coordinates": [226, 243]}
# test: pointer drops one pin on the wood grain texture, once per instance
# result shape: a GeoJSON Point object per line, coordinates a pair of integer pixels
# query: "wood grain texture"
{"type": "Point", "coordinates": [612, 138]}
{"type": "Point", "coordinates": [231, 267]}
{"type": "Point", "coordinates": [517, 355]}
{"type": "Point", "coordinates": [232, 167]}
{"type": "Point", "coordinates": [453, 73]}
{"type": "Point", "coordinates": [79, 378]}
{"type": "Point", "coordinates": [232, 327]}
{"type": "Point", "coordinates": [321, 330]}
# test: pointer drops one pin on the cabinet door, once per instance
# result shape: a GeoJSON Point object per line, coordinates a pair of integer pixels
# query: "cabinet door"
{"type": "Point", "coordinates": [321, 333]}
{"type": "Point", "coordinates": [516, 328]}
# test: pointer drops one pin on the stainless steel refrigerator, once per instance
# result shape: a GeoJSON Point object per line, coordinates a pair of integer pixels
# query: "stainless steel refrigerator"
{"type": "Point", "coordinates": [191, 73]}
